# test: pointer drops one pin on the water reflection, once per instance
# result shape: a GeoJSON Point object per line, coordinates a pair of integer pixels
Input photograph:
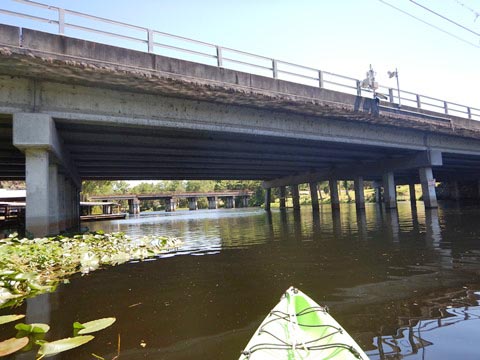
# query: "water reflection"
{"type": "Point", "coordinates": [419, 333]}
{"type": "Point", "coordinates": [371, 267]}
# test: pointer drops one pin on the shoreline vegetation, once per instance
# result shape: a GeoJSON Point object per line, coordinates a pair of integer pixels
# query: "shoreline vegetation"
{"type": "Point", "coordinates": [29, 267]}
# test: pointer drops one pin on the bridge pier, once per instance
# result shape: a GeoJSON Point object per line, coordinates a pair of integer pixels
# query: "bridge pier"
{"type": "Point", "coordinates": [212, 202]}
{"type": "Point", "coordinates": [230, 202]}
{"type": "Point", "coordinates": [428, 187]}
{"type": "Point", "coordinates": [359, 194]}
{"type": "Point", "coordinates": [170, 205]}
{"type": "Point", "coordinates": [413, 195]}
{"type": "Point", "coordinates": [268, 198]}
{"type": "Point", "coordinates": [52, 201]}
{"type": "Point", "coordinates": [334, 198]}
{"type": "Point", "coordinates": [244, 201]}
{"type": "Point", "coordinates": [134, 206]}
{"type": "Point", "coordinates": [389, 190]}
{"type": "Point", "coordinates": [295, 197]}
{"type": "Point", "coordinates": [283, 197]}
{"type": "Point", "coordinates": [314, 196]}
{"type": "Point", "coordinates": [192, 203]}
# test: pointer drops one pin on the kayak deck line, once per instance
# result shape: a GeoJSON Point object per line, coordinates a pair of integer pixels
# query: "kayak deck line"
{"type": "Point", "coordinates": [299, 328]}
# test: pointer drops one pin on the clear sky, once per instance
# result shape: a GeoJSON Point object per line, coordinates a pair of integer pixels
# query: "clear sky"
{"type": "Point", "coordinates": [342, 36]}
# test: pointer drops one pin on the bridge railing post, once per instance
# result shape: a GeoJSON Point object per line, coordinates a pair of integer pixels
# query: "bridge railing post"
{"type": "Point", "coordinates": [445, 106]}
{"type": "Point", "coordinates": [359, 88]}
{"type": "Point", "coordinates": [150, 40]}
{"type": "Point", "coordinates": [419, 102]}
{"type": "Point", "coordinates": [320, 79]}
{"type": "Point", "coordinates": [61, 21]}
{"type": "Point", "coordinates": [390, 95]}
{"type": "Point", "coordinates": [469, 112]}
{"type": "Point", "coordinates": [219, 56]}
{"type": "Point", "coordinates": [275, 68]}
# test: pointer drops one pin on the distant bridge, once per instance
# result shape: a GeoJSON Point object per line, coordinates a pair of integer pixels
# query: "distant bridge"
{"type": "Point", "coordinates": [73, 110]}
{"type": "Point", "coordinates": [170, 199]}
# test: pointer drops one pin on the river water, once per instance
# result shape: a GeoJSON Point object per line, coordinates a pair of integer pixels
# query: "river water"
{"type": "Point", "coordinates": [402, 282]}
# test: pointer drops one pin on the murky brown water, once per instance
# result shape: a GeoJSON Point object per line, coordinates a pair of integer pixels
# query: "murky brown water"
{"type": "Point", "coordinates": [401, 282]}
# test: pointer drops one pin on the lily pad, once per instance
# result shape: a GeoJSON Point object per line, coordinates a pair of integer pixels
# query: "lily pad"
{"type": "Point", "coordinates": [95, 325]}
{"type": "Point", "coordinates": [58, 346]}
{"type": "Point", "coordinates": [12, 345]}
{"type": "Point", "coordinates": [9, 318]}
{"type": "Point", "coordinates": [33, 328]}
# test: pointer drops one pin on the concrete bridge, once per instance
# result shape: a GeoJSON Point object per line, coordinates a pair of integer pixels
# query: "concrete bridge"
{"type": "Point", "coordinates": [73, 110]}
{"type": "Point", "coordinates": [170, 199]}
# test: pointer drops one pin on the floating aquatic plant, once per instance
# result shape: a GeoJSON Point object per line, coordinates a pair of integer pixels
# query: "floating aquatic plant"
{"type": "Point", "coordinates": [32, 334]}
{"type": "Point", "coordinates": [29, 267]}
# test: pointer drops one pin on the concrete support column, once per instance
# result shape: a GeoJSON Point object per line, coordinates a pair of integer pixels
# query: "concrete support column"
{"type": "Point", "coordinates": [413, 195]}
{"type": "Point", "coordinates": [377, 193]}
{"type": "Point", "coordinates": [212, 202]}
{"type": "Point", "coordinates": [428, 187]}
{"type": "Point", "coordinates": [230, 202]}
{"type": "Point", "coordinates": [314, 195]}
{"type": "Point", "coordinates": [334, 198]}
{"type": "Point", "coordinates": [359, 193]}
{"type": "Point", "coordinates": [192, 203]}
{"type": "Point", "coordinates": [455, 190]}
{"type": "Point", "coordinates": [245, 201]}
{"type": "Point", "coordinates": [54, 203]}
{"type": "Point", "coordinates": [61, 202]}
{"type": "Point", "coordinates": [283, 197]}
{"type": "Point", "coordinates": [389, 190]}
{"type": "Point", "coordinates": [295, 197]}
{"type": "Point", "coordinates": [37, 203]}
{"type": "Point", "coordinates": [268, 198]}
{"type": "Point", "coordinates": [68, 204]}
{"type": "Point", "coordinates": [134, 206]}
{"type": "Point", "coordinates": [169, 204]}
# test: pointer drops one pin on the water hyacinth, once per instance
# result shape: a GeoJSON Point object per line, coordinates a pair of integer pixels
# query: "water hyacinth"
{"type": "Point", "coordinates": [33, 266]}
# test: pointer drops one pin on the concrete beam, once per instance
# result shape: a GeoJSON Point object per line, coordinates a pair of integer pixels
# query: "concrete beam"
{"type": "Point", "coordinates": [421, 159]}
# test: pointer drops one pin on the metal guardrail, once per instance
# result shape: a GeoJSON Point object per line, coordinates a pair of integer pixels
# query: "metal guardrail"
{"type": "Point", "coordinates": [151, 40]}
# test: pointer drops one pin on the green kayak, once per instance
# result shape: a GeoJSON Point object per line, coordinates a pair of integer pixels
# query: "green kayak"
{"type": "Point", "coordinates": [298, 328]}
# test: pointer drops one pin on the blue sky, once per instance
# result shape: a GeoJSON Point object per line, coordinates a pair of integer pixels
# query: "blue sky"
{"type": "Point", "coordinates": [343, 37]}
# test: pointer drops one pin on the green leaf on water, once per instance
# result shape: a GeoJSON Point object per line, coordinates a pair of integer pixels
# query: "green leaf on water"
{"type": "Point", "coordinates": [55, 347]}
{"type": "Point", "coordinates": [12, 345]}
{"type": "Point", "coordinates": [9, 318]}
{"type": "Point", "coordinates": [96, 325]}
{"type": "Point", "coordinates": [33, 328]}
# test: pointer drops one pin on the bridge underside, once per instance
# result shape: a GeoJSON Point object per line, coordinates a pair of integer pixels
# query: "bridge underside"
{"type": "Point", "coordinates": [114, 153]}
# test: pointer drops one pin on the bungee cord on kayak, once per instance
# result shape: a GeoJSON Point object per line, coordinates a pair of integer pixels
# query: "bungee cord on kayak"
{"type": "Point", "coordinates": [298, 328]}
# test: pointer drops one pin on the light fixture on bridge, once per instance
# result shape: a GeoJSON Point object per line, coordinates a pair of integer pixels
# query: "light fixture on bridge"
{"type": "Point", "coordinates": [392, 74]}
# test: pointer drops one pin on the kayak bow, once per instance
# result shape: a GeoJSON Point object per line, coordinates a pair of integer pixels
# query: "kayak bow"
{"type": "Point", "coordinates": [299, 328]}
